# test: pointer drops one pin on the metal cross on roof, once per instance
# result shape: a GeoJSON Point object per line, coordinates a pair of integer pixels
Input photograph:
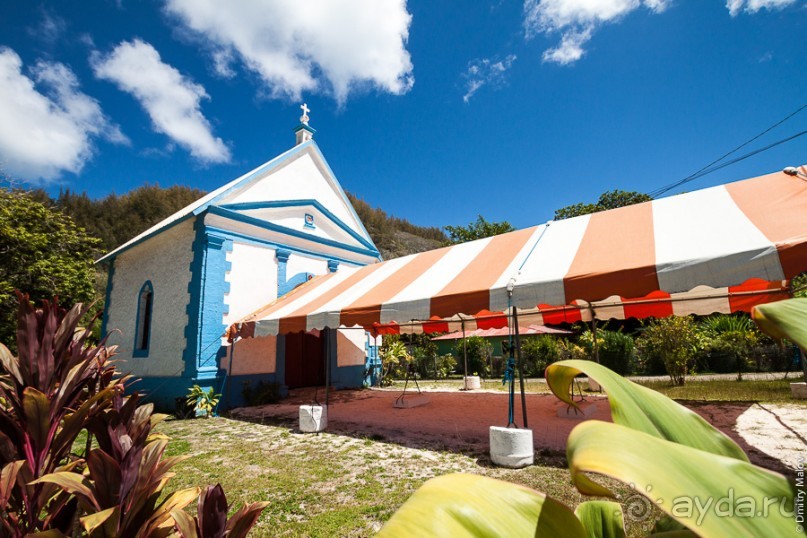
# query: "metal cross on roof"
{"type": "Point", "coordinates": [306, 110]}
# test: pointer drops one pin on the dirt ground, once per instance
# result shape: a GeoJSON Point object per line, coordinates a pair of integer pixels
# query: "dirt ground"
{"type": "Point", "coordinates": [774, 436]}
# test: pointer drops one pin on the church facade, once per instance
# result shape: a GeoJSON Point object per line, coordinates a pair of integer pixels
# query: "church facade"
{"type": "Point", "coordinates": [174, 289]}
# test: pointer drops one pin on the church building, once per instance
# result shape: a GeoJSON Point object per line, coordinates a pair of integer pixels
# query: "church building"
{"type": "Point", "coordinates": [175, 288]}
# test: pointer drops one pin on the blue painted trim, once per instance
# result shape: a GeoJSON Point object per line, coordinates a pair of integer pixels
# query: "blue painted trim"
{"type": "Point", "coordinates": [246, 206]}
{"type": "Point", "coordinates": [232, 215]}
{"type": "Point", "coordinates": [206, 308]}
{"type": "Point", "coordinates": [304, 127]}
{"type": "Point", "coordinates": [284, 284]}
{"type": "Point", "coordinates": [144, 351]}
{"type": "Point", "coordinates": [108, 297]}
{"type": "Point", "coordinates": [114, 254]}
{"type": "Point", "coordinates": [333, 266]}
{"type": "Point", "coordinates": [340, 189]}
{"type": "Point", "coordinates": [263, 169]}
{"type": "Point", "coordinates": [249, 240]}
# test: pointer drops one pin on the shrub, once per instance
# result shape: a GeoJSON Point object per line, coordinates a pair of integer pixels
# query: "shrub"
{"type": "Point", "coordinates": [729, 342]}
{"type": "Point", "coordinates": [60, 387]}
{"type": "Point", "coordinates": [674, 341]}
{"type": "Point", "coordinates": [434, 365]}
{"type": "Point", "coordinates": [260, 393]}
{"type": "Point", "coordinates": [617, 352]}
{"type": "Point", "coordinates": [479, 351]}
{"type": "Point", "coordinates": [538, 352]}
{"type": "Point", "coordinates": [395, 359]}
{"type": "Point", "coordinates": [204, 402]}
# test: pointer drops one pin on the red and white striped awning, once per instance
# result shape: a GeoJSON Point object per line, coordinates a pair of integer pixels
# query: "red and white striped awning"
{"type": "Point", "coordinates": [720, 249]}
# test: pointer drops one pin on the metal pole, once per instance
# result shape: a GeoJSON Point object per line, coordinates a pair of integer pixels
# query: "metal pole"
{"type": "Point", "coordinates": [328, 334]}
{"type": "Point", "coordinates": [520, 366]}
{"type": "Point", "coordinates": [464, 353]}
{"type": "Point", "coordinates": [596, 348]}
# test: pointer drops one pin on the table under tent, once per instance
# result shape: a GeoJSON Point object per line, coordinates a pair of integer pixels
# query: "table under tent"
{"type": "Point", "coordinates": [722, 249]}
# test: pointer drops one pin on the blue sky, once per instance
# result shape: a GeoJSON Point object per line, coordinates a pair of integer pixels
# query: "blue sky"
{"type": "Point", "coordinates": [433, 110]}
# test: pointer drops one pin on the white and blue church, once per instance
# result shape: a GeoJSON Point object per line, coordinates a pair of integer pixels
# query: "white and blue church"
{"type": "Point", "coordinates": [175, 288]}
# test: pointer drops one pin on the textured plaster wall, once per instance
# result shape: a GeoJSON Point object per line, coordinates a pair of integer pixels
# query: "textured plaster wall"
{"type": "Point", "coordinates": [165, 261]}
{"type": "Point", "coordinates": [350, 347]}
{"type": "Point", "coordinates": [252, 278]}
{"type": "Point", "coordinates": [299, 263]}
{"type": "Point", "coordinates": [252, 356]}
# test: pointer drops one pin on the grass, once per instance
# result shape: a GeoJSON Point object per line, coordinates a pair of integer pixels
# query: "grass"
{"type": "Point", "coordinates": [725, 390]}
{"type": "Point", "coordinates": [326, 484]}
{"type": "Point", "coordinates": [718, 390]}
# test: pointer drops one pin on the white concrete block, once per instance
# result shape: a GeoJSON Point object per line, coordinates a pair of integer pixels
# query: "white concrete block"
{"type": "Point", "coordinates": [472, 382]}
{"type": "Point", "coordinates": [799, 390]}
{"type": "Point", "coordinates": [511, 447]}
{"type": "Point", "coordinates": [313, 418]}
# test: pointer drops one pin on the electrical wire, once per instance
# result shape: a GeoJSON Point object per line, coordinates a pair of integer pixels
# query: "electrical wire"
{"type": "Point", "coordinates": [709, 168]}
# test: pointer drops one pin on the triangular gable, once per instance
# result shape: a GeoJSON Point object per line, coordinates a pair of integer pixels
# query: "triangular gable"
{"type": "Point", "coordinates": [309, 216]}
{"type": "Point", "coordinates": [254, 182]}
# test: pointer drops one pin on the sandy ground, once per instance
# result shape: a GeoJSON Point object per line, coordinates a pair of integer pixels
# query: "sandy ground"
{"type": "Point", "coordinates": [773, 435]}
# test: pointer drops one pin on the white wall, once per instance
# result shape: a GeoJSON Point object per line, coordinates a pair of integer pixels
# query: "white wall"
{"type": "Point", "coordinates": [252, 278]}
{"type": "Point", "coordinates": [164, 260]}
{"type": "Point", "coordinates": [350, 347]}
{"type": "Point", "coordinates": [299, 263]}
{"type": "Point", "coordinates": [252, 356]}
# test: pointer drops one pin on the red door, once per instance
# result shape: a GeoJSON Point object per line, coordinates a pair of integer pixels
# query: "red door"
{"type": "Point", "coordinates": [305, 360]}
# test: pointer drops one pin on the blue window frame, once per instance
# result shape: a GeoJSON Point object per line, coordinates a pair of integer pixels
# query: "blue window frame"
{"type": "Point", "coordinates": [145, 308]}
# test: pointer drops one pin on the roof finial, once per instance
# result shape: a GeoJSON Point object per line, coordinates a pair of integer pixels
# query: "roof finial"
{"type": "Point", "coordinates": [304, 118]}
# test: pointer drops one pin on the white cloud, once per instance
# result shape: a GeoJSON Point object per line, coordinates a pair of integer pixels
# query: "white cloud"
{"type": "Point", "coordinates": [48, 125]}
{"type": "Point", "coordinates": [486, 72]}
{"type": "Point", "coordinates": [752, 6]}
{"type": "Point", "coordinates": [576, 20]}
{"type": "Point", "coordinates": [170, 99]}
{"type": "Point", "coordinates": [570, 49]}
{"type": "Point", "coordinates": [331, 46]}
{"type": "Point", "coordinates": [50, 29]}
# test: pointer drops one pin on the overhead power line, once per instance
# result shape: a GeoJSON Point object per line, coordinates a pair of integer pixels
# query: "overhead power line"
{"type": "Point", "coordinates": [709, 168]}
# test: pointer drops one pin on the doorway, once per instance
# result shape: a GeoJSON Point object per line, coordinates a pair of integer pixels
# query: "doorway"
{"type": "Point", "coordinates": [305, 360]}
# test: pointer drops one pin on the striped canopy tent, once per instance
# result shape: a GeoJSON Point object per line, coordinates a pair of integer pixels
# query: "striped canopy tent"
{"type": "Point", "coordinates": [721, 249]}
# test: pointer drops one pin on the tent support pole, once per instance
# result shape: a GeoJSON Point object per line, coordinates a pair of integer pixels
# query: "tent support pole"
{"type": "Point", "coordinates": [520, 366]}
{"type": "Point", "coordinates": [595, 348]}
{"type": "Point", "coordinates": [328, 345]}
{"type": "Point", "coordinates": [464, 352]}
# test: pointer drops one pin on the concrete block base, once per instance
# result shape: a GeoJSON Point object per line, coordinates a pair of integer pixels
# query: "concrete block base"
{"type": "Point", "coordinates": [408, 402]}
{"type": "Point", "coordinates": [313, 418]}
{"type": "Point", "coordinates": [511, 447]}
{"type": "Point", "coordinates": [593, 386]}
{"type": "Point", "coordinates": [586, 410]}
{"type": "Point", "coordinates": [472, 382]}
{"type": "Point", "coordinates": [799, 390]}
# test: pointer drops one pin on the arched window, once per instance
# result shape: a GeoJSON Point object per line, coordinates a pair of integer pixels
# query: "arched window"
{"type": "Point", "coordinates": [145, 304]}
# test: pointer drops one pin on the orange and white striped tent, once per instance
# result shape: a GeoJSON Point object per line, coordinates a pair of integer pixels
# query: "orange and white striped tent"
{"type": "Point", "coordinates": [721, 249]}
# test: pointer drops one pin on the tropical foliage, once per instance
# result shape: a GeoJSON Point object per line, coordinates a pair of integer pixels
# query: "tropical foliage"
{"type": "Point", "coordinates": [478, 229]}
{"type": "Point", "coordinates": [785, 319]}
{"type": "Point", "coordinates": [395, 359]}
{"type": "Point", "coordinates": [42, 251]}
{"type": "Point", "coordinates": [673, 341]}
{"type": "Point", "coordinates": [478, 351]}
{"type": "Point", "coordinates": [607, 200]}
{"type": "Point", "coordinates": [670, 456]}
{"type": "Point", "coordinates": [203, 401]}
{"type": "Point", "coordinates": [211, 517]}
{"type": "Point", "coordinates": [57, 389]}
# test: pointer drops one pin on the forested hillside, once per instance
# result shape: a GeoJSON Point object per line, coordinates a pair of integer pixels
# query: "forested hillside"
{"type": "Point", "coordinates": [117, 218]}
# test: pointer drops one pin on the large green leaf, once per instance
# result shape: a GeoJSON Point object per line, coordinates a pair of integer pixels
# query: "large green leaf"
{"type": "Point", "coordinates": [681, 480]}
{"type": "Point", "coordinates": [460, 505]}
{"type": "Point", "coordinates": [72, 483]}
{"type": "Point", "coordinates": [601, 519]}
{"type": "Point", "coordinates": [644, 409]}
{"type": "Point", "coordinates": [784, 319]}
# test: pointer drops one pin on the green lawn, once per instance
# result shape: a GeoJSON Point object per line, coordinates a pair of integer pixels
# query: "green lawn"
{"type": "Point", "coordinates": [333, 485]}
{"type": "Point", "coordinates": [329, 485]}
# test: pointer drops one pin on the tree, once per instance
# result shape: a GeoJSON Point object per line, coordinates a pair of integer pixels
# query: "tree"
{"type": "Point", "coordinates": [477, 230]}
{"type": "Point", "coordinates": [42, 253]}
{"type": "Point", "coordinates": [607, 200]}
